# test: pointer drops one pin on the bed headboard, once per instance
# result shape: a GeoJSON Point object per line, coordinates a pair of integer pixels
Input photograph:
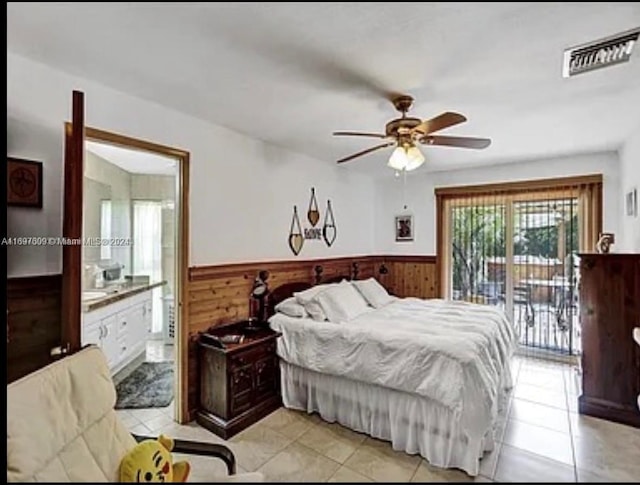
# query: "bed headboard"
{"type": "Point", "coordinates": [287, 290]}
{"type": "Point", "coordinates": [283, 292]}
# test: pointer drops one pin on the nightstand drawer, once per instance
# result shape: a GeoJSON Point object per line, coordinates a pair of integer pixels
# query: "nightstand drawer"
{"type": "Point", "coordinates": [240, 359]}
{"type": "Point", "coordinates": [241, 380]}
{"type": "Point", "coordinates": [249, 356]}
{"type": "Point", "coordinates": [240, 403]}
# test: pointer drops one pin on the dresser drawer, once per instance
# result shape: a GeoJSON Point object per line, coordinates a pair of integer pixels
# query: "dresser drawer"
{"type": "Point", "coordinates": [241, 380]}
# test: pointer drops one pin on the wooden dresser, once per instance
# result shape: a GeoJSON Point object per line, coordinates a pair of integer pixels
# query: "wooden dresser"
{"type": "Point", "coordinates": [609, 311]}
{"type": "Point", "coordinates": [239, 382]}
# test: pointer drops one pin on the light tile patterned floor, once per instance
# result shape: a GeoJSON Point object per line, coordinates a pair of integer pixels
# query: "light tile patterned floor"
{"type": "Point", "coordinates": [543, 439]}
{"type": "Point", "coordinates": [158, 351]}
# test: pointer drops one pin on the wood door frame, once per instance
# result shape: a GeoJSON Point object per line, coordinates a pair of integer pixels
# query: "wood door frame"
{"type": "Point", "coordinates": [183, 158]}
{"type": "Point", "coordinates": [71, 304]}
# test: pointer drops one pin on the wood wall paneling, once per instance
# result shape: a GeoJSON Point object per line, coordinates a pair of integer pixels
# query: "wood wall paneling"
{"type": "Point", "coordinates": [34, 322]}
{"type": "Point", "coordinates": [215, 295]}
{"type": "Point", "coordinates": [220, 294]}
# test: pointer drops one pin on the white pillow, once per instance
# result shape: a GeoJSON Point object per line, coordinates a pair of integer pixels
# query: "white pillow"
{"type": "Point", "coordinates": [315, 311]}
{"type": "Point", "coordinates": [373, 292]}
{"type": "Point", "coordinates": [291, 308]}
{"type": "Point", "coordinates": [304, 297]}
{"type": "Point", "coordinates": [307, 299]}
{"type": "Point", "coordinates": [342, 302]}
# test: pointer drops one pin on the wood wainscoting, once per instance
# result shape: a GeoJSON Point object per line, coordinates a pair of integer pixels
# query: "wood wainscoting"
{"type": "Point", "coordinates": [33, 322]}
{"type": "Point", "coordinates": [410, 276]}
{"type": "Point", "coordinates": [220, 294]}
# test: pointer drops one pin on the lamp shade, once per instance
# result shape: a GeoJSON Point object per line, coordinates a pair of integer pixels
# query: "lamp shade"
{"type": "Point", "coordinates": [398, 159]}
{"type": "Point", "coordinates": [406, 157]}
{"type": "Point", "coordinates": [415, 158]}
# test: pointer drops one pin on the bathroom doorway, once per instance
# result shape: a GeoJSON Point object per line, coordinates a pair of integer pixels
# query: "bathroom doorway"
{"type": "Point", "coordinates": [134, 277]}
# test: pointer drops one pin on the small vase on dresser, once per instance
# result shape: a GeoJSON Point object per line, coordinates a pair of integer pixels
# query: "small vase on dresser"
{"type": "Point", "coordinates": [609, 314]}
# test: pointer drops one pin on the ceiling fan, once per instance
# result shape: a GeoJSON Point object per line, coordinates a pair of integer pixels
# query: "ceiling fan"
{"type": "Point", "coordinates": [406, 132]}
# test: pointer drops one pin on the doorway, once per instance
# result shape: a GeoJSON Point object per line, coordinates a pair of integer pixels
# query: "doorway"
{"type": "Point", "coordinates": [135, 201]}
{"type": "Point", "coordinates": [516, 246]}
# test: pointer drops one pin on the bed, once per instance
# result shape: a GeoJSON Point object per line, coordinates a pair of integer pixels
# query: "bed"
{"type": "Point", "coordinates": [427, 375]}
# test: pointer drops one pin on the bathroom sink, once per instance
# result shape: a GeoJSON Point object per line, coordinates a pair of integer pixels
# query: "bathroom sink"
{"type": "Point", "coordinates": [93, 295]}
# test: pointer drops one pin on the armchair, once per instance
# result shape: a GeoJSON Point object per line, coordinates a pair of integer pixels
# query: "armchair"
{"type": "Point", "coordinates": [62, 426]}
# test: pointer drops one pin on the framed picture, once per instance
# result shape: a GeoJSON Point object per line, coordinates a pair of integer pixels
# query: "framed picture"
{"type": "Point", "coordinates": [404, 228]}
{"type": "Point", "coordinates": [24, 183]}
{"type": "Point", "coordinates": [632, 203]}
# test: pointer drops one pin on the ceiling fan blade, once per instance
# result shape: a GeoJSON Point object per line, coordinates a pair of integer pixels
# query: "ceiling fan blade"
{"type": "Point", "coordinates": [440, 122]}
{"type": "Point", "coordinates": [357, 133]}
{"type": "Point", "coordinates": [457, 141]}
{"type": "Point", "coordinates": [364, 152]}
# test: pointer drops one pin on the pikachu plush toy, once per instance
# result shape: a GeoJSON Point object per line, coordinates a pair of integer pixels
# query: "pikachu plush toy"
{"type": "Point", "coordinates": [151, 461]}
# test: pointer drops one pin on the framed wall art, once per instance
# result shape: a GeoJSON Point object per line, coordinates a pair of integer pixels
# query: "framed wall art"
{"type": "Point", "coordinates": [24, 183]}
{"type": "Point", "coordinates": [404, 228]}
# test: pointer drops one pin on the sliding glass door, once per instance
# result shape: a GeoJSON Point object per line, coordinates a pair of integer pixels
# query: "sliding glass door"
{"type": "Point", "coordinates": [545, 273]}
{"type": "Point", "coordinates": [518, 250]}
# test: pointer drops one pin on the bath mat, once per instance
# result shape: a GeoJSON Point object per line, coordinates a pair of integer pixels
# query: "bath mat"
{"type": "Point", "coordinates": [150, 385]}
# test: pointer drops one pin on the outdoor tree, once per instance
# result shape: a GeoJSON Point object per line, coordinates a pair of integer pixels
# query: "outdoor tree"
{"type": "Point", "coordinates": [478, 232]}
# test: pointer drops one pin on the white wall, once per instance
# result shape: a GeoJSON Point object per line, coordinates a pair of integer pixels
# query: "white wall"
{"type": "Point", "coordinates": [418, 194]}
{"type": "Point", "coordinates": [630, 179]}
{"type": "Point", "coordinates": [242, 189]}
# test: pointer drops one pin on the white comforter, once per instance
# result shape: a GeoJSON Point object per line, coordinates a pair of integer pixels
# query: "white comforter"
{"type": "Point", "coordinates": [455, 353]}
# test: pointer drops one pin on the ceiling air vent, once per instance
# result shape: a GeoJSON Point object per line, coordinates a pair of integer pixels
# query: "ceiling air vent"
{"type": "Point", "coordinates": [600, 53]}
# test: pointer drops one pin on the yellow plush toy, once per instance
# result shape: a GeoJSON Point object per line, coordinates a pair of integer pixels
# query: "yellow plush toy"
{"type": "Point", "coordinates": [151, 461]}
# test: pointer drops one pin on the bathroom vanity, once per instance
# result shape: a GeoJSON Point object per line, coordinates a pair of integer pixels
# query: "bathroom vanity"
{"type": "Point", "coordinates": [118, 320]}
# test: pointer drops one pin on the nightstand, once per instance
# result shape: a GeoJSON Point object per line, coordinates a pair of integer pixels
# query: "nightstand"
{"type": "Point", "coordinates": [239, 381]}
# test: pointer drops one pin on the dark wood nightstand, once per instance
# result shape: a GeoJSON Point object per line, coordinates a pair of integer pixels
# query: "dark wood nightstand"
{"type": "Point", "coordinates": [239, 381]}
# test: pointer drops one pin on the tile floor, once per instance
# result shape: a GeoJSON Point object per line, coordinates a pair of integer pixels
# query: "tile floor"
{"type": "Point", "coordinates": [541, 439]}
{"type": "Point", "coordinates": [158, 351]}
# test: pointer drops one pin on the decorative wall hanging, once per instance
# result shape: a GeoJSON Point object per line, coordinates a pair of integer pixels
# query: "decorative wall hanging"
{"type": "Point", "coordinates": [404, 228]}
{"type": "Point", "coordinates": [313, 214]}
{"type": "Point", "coordinates": [329, 230]}
{"type": "Point", "coordinates": [24, 183]}
{"type": "Point", "coordinates": [296, 240]}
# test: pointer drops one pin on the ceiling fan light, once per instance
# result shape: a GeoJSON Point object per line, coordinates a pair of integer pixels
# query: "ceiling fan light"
{"type": "Point", "coordinates": [398, 159]}
{"type": "Point", "coordinates": [415, 158]}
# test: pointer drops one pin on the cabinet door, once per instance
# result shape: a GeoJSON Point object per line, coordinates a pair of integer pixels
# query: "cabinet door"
{"type": "Point", "coordinates": [266, 376]}
{"type": "Point", "coordinates": [110, 340]}
{"type": "Point", "coordinates": [92, 334]}
{"type": "Point", "coordinates": [137, 336]}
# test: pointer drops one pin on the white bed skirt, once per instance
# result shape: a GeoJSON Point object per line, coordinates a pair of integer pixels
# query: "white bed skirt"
{"type": "Point", "coordinates": [411, 423]}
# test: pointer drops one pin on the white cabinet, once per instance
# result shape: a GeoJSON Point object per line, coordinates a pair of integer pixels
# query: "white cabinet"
{"type": "Point", "coordinates": [110, 340]}
{"type": "Point", "coordinates": [92, 335]}
{"type": "Point", "coordinates": [120, 329]}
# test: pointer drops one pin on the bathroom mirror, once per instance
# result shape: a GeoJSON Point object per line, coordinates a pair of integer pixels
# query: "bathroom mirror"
{"type": "Point", "coordinates": [97, 215]}
{"type": "Point", "coordinates": [107, 206]}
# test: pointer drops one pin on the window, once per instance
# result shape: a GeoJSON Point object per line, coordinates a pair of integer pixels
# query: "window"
{"type": "Point", "coordinates": [147, 251]}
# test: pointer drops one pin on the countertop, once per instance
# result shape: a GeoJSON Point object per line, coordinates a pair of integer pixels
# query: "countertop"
{"type": "Point", "coordinates": [121, 292]}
